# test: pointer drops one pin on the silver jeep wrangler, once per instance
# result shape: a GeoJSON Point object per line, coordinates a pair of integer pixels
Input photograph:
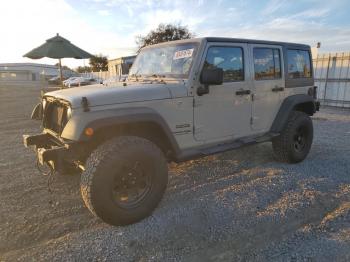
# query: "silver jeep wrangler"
{"type": "Point", "coordinates": [182, 100]}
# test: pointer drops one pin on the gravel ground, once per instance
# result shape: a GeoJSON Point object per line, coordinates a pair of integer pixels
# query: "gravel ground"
{"type": "Point", "coordinates": [239, 205]}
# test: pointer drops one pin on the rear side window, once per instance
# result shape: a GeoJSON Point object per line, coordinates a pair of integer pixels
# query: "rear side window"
{"type": "Point", "coordinates": [230, 59]}
{"type": "Point", "coordinates": [267, 63]}
{"type": "Point", "coordinates": [299, 65]}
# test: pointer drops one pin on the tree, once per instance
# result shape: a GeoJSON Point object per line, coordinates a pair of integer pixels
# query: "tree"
{"type": "Point", "coordinates": [83, 69]}
{"type": "Point", "coordinates": [164, 33]}
{"type": "Point", "coordinates": [99, 63]}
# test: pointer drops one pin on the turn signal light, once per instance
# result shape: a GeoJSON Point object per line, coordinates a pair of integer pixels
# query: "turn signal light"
{"type": "Point", "coordinates": [89, 131]}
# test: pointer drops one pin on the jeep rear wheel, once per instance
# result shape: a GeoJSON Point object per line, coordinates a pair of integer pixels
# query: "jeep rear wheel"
{"type": "Point", "coordinates": [295, 140]}
{"type": "Point", "coordinates": [124, 180]}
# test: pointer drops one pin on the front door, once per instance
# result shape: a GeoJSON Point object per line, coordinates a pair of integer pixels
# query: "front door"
{"type": "Point", "coordinates": [269, 84]}
{"type": "Point", "coordinates": [224, 113]}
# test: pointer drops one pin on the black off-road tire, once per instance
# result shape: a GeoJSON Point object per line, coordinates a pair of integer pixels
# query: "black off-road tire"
{"type": "Point", "coordinates": [285, 145]}
{"type": "Point", "coordinates": [106, 165]}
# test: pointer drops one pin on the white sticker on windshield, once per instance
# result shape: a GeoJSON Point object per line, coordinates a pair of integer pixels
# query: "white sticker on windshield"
{"type": "Point", "coordinates": [183, 54]}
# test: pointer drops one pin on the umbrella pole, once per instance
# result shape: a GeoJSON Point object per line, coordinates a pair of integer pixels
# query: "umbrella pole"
{"type": "Point", "coordinates": [61, 75]}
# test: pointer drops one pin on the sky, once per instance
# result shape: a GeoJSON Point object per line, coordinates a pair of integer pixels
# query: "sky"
{"type": "Point", "coordinates": [109, 27]}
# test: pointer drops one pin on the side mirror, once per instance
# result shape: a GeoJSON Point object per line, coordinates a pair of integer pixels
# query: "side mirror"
{"type": "Point", "coordinates": [37, 113]}
{"type": "Point", "coordinates": [212, 76]}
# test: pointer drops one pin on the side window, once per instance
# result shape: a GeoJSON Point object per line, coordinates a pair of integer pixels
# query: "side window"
{"type": "Point", "coordinates": [299, 65]}
{"type": "Point", "coordinates": [230, 59]}
{"type": "Point", "coordinates": [267, 63]}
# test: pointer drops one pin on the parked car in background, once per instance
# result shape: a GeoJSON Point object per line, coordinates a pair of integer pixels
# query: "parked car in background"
{"type": "Point", "coordinates": [55, 80]}
{"type": "Point", "coordinates": [67, 81]}
{"type": "Point", "coordinates": [81, 81]}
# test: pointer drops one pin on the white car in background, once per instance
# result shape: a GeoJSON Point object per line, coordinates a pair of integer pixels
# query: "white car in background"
{"type": "Point", "coordinates": [69, 80]}
{"type": "Point", "coordinates": [81, 81]}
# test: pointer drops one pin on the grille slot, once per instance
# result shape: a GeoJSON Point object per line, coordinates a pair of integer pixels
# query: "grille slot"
{"type": "Point", "coordinates": [55, 116]}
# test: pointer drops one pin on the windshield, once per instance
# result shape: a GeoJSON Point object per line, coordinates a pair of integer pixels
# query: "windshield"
{"type": "Point", "coordinates": [165, 61]}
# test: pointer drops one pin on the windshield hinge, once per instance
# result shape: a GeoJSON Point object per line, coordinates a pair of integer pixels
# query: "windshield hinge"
{"type": "Point", "coordinates": [85, 104]}
{"type": "Point", "coordinates": [196, 102]}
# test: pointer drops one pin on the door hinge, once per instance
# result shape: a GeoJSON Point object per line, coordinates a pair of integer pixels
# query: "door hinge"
{"type": "Point", "coordinates": [196, 103]}
{"type": "Point", "coordinates": [197, 129]}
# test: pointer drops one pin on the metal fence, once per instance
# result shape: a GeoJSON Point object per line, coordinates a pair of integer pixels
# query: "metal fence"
{"type": "Point", "coordinates": [102, 75]}
{"type": "Point", "coordinates": [332, 76]}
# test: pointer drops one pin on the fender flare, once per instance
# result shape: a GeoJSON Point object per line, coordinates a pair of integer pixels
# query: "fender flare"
{"type": "Point", "coordinates": [287, 106]}
{"type": "Point", "coordinates": [74, 130]}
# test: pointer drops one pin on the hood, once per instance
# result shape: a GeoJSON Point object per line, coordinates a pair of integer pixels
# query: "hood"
{"type": "Point", "coordinates": [98, 95]}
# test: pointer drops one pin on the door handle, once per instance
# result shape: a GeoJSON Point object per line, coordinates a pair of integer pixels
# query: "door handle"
{"type": "Point", "coordinates": [278, 89]}
{"type": "Point", "coordinates": [242, 92]}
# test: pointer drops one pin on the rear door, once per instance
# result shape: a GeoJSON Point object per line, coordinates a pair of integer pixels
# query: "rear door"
{"type": "Point", "coordinates": [268, 83]}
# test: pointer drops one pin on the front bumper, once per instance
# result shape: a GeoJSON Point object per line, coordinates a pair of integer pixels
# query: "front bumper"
{"type": "Point", "coordinates": [49, 149]}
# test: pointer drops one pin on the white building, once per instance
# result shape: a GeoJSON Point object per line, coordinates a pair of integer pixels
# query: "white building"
{"type": "Point", "coordinates": [120, 66]}
{"type": "Point", "coordinates": [27, 73]}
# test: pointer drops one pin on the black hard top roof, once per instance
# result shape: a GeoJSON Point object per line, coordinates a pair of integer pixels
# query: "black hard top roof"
{"type": "Point", "coordinates": [253, 41]}
{"type": "Point", "coordinates": [233, 40]}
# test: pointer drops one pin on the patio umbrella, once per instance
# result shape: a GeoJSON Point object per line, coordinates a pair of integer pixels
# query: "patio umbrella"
{"type": "Point", "coordinates": [58, 47]}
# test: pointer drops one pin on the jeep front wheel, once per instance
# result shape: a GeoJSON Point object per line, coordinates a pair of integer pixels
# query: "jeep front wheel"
{"type": "Point", "coordinates": [294, 142]}
{"type": "Point", "coordinates": [124, 180]}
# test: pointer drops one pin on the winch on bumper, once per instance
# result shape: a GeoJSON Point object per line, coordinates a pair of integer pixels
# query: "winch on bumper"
{"type": "Point", "coordinates": [52, 151]}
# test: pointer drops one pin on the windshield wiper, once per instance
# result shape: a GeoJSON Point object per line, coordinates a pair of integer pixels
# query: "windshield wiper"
{"type": "Point", "coordinates": [157, 78]}
{"type": "Point", "coordinates": [154, 78]}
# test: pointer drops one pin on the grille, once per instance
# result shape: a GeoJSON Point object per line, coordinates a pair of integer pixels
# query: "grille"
{"type": "Point", "coordinates": [55, 116]}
